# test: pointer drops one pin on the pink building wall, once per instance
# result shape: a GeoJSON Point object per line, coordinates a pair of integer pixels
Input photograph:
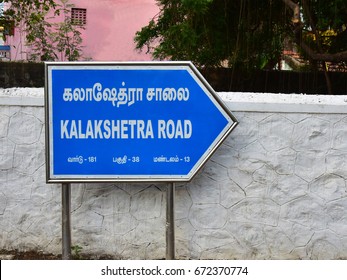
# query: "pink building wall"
{"type": "Point", "coordinates": [111, 27]}
{"type": "Point", "coordinates": [109, 32]}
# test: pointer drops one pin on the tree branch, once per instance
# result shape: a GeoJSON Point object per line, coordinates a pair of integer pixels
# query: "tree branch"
{"type": "Point", "coordinates": [317, 56]}
{"type": "Point", "coordinates": [336, 57]}
{"type": "Point", "coordinates": [296, 10]}
{"type": "Point", "coordinates": [319, 44]}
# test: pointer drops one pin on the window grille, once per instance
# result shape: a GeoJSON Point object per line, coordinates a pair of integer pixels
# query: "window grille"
{"type": "Point", "coordinates": [78, 16]}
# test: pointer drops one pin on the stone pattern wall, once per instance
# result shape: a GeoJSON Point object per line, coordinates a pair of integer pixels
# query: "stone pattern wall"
{"type": "Point", "coordinates": [275, 189]}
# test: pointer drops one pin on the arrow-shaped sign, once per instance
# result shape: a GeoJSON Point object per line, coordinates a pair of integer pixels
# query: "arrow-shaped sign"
{"type": "Point", "coordinates": [157, 121]}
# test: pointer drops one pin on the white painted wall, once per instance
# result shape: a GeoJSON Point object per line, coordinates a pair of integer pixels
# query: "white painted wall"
{"type": "Point", "coordinates": [276, 188]}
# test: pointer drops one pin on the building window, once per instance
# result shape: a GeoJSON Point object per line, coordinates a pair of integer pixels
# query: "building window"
{"type": "Point", "coordinates": [78, 16]}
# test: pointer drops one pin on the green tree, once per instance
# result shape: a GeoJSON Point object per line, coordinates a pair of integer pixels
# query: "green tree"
{"type": "Point", "coordinates": [311, 28]}
{"type": "Point", "coordinates": [67, 36]}
{"type": "Point", "coordinates": [48, 41]}
{"type": "Point", "coordinates": [215, 32]}
{"type": "Point", "coordinates": [319, 29]}
{"type": "Point", "coordinates": [247, 34]}
{"type": "Point", "coordinates": [25, 12]}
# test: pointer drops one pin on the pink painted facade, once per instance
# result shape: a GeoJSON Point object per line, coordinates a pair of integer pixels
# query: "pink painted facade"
{"type": "Point", "coordinates": [109, 30]}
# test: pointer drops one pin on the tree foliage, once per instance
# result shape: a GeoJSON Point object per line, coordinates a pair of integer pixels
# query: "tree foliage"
{"type": "Point", "coordinates": [249, 34]}
{"type": "Point", "coordinates": [321, 31]}
{"type": "Point", "coordinates": [48, 41]}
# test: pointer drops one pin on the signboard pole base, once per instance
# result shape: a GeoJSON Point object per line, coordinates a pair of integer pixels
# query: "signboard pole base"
{"type": "Point", "coordinates": [66, 221]}
{"type": "Point", "coordinates": [170, 222]}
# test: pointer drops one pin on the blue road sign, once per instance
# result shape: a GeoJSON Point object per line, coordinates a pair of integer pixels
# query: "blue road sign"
{"type": "Point", "coordinates": [157, 121]}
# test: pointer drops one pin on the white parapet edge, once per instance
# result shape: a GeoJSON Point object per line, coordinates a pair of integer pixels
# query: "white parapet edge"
{"type": "Point", "coordinates": [235, 101]}
{"type": "Point", "coordinates": [22, 97]}
{"type": "Point", "coordinates": [284, 103]}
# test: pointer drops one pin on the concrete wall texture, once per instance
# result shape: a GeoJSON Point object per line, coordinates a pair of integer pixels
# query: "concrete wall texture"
{"type": "Point", "coordinates": [275, 189]}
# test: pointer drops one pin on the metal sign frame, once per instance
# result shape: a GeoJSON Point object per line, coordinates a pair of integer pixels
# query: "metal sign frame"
{"type": "Point", "coordinates": [77, 178]}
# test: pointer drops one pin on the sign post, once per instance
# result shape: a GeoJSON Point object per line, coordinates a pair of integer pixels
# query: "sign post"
{"type": "Point", "coordinates": [131, 122]}
{"type": "Point", "coordinates": [170, 221]}
{"type": "Point", "coordinates": [66, 221]}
